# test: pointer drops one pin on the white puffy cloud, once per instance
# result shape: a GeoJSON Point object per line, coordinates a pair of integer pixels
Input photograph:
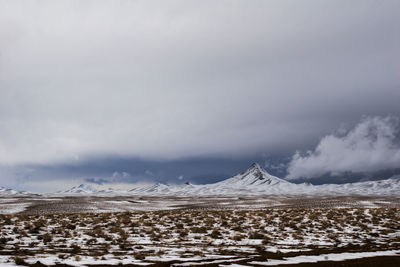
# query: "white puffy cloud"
{"type": "Point", "coordinates": [372, 145]}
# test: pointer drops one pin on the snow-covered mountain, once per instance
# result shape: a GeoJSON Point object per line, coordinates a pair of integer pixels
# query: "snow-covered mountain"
{"type": "Point", "coordinates": [81, 189]}
{"type": "Point", "coordinates": [11, 192]}
{"type": "Point", "coordinates": [254, 176]}
{"type": "Point", "coordinates": [254, 181]}
{"type": "Point", "coordinates": [381, 187]}
{"type": "Point", "coordinates": [154, 188]}
{"type": "Point", "coordinates": [257, 181]}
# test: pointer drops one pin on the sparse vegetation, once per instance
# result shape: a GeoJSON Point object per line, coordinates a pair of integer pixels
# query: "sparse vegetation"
{"type": "Point", "coordinates": [189, 233]}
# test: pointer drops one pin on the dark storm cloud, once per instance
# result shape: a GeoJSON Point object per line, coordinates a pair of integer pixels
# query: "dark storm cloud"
{"type": "Point", "coordinates": [167, 81]}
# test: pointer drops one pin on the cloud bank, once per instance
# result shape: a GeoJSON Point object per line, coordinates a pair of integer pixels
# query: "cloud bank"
{"type": "Point", "coordinates": [372, 145]}
{"type": "Point", "coordinates": [158, 80]}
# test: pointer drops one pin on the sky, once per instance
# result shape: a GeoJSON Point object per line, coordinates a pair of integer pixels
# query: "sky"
{"type": "Point", "coordinates": [121, 93]}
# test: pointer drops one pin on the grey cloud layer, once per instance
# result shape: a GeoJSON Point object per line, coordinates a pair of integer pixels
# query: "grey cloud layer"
{"type": "Point", "coordinates": [189, 78]}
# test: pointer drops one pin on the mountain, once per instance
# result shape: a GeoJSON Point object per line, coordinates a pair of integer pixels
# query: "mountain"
{"type": "Point", "coordinates": [110, 191]}
{"type": "Point", "coordinates": [257, 181]}
{"type": "Point", "coordinates": [155, 188]}
{"type": "Point", "coordinates": [81, 189]}
{"type": "Point", "coordinates": [11, 192]}
{"type": "Point", "coordinates": [380, 187]}
{"type": "Point", "coordinates": [254, 176]}
{"type": "Point", "coordinates": [254, 181]}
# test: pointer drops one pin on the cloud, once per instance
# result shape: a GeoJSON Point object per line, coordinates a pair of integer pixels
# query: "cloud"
{"type": "Point", "coordinates": [372, 145]}
{"type": "Point", "coordinates": [164, 81]}
{"type": "Point", "coordinates": [275, 167]}
{"type": "Point", "coordinates": [116, 177]}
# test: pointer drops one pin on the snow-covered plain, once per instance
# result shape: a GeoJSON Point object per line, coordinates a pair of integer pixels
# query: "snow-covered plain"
{"type": "Point", "coordinates": [328, 257]}
{"type": "Point", "coordinates": [197, 237]}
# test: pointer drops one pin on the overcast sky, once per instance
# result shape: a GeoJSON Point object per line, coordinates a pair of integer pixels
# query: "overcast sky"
{"type": "Point", "coordinates": [197, 90]}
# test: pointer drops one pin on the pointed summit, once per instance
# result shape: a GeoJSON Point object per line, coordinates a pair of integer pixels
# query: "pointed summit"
{"type": "Point", "coordinates": [255, 175]}
{"type": "Point", "coordinates": [256, 166]}
{"type": "Point", "coordinates": [81, 189]}
{"type": "Point", "coordinates": [257, 171]}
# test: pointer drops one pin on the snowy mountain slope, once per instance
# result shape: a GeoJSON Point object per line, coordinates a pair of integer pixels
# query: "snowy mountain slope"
{"type": "Point", "coordinates": [254, 181]}
{"type": "Point", "coordinates": [11, 192]}
{"type": "Point", "coordinates": [381, 187]}
{"type": "Point", "coordinates": [257, 181]}
{"type": "Point", "coordinates": [81, 189]}
{"type": "Point", "coordinates": [154, 188]}
{"type": "Point", "coordinates": [254, 176]}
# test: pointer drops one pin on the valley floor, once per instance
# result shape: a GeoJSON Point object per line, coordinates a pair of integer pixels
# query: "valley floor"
{"type": "Point", "coordinates": [240, 231]}
{"type": "Point", "coordinates": [38, 204]}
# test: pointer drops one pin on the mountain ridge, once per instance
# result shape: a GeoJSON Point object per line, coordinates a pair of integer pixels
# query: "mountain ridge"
{"type": "Point", "coordinates": [255, 181]}
{"type": "Point", "coordinates": [12, 192]}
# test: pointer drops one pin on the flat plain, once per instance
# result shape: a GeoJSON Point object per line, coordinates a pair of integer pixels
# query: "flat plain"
{"type": "Point", "coordinates": [199, 231]}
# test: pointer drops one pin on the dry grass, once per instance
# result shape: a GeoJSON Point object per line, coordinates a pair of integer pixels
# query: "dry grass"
{"type": "Point", "coordinates": [198, 232]}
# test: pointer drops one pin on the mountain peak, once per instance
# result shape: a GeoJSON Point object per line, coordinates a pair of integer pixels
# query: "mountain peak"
{"type": "Point", "coordinates": [257, 171]}
{"type": "Point", "coordinates": [255, 166]}
{"type": "Point", "coordinates": [8, 191]}
{"type": "Point", "coordinates": [86, 187]}
{"type": "Point", "coordinates": [82, 188]}
{"type": "Point", "coordinates": [255, 175]}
